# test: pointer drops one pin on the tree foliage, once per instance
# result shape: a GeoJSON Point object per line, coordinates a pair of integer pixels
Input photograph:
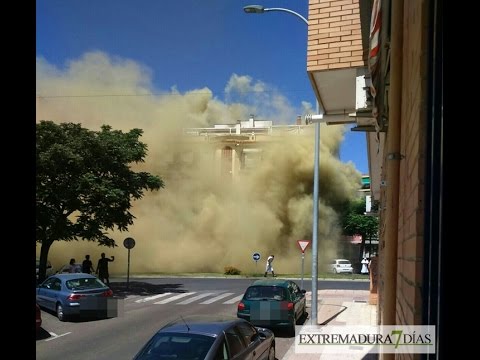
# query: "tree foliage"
{"type": "Point", "coordinates": [355, 221]}
{"type": "Point", "coordinates": [84, 183]}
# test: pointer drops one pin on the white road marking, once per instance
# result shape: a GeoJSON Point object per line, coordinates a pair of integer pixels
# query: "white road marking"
{"type": "Point", "coordinates": [216, 298]}
{"type": "Point", "coordinates": [55, 336]}
{"type": "Point", "coordinates": [195, 298]}
{"type": "Point", "coordinates": [234, 300]}
{"type": "Point", "coordinates": [176, 297]}
{"type": "Point", "coordinates": [152, 297]}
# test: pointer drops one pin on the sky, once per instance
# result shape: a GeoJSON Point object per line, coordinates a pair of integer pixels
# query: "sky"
{"type": "Point", "coordinates": [163, 65]}
{"type": "Point", "coordinates": [192, 45]}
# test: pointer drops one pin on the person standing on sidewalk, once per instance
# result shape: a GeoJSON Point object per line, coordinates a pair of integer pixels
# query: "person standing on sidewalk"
{"type": "Point", "coordinates": [87, 265]}
{"type": "Point", "coordinates": [364, 266]}
{"type": "Point", "coordinates": [269, 267]}
{"type": "Point", "coordinates": [71, 267]}
{"type": "Point", "coordinates": [102, 269]}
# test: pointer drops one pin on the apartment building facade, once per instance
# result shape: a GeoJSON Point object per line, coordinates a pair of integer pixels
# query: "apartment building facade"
{"type": "Point", "coordinates": [237, 148]}
{"type": "Point", "coordinates": [380, 62]}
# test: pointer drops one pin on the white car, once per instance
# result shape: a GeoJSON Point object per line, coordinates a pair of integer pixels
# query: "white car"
{"type": "Point", "coordinates": [49, 271]}
{"type": "Point", "coordinates": [340, 266]}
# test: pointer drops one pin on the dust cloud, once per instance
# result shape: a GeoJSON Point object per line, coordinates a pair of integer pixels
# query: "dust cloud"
{"type": "Point", "coordinates": [200, 221]}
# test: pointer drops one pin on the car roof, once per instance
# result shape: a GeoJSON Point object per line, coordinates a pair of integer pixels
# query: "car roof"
{"type": "Point", "coordinates": [66, 266]}
{"type": "Point", "coordinates": [76, 264]}
{"type": "Point", "coordinates": [71, 276]}
{"type": "Point", "coordinates": [201, 325]}
{"type": "Point", "coordinates": [272, 282]}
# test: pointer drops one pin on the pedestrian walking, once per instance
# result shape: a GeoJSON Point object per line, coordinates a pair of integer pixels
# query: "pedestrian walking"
{"type": "Point", "coordinates": [102, 268]}
{"type": "Point", "coordinates": [87, 265]}
{"type": "Point", "coordinates": [269, 267]}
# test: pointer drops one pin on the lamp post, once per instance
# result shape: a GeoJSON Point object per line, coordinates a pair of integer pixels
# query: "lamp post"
{"type": "Point", "coordinates": [259, 9]}
{"type": "Point", "coordinates": [316, 171]}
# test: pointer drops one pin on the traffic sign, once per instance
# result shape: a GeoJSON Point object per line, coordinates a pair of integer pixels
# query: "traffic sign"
{"type": "Point", "coordinates": [303, 244]}
{"type": "Point", "coordinates": [256, 256]}
{"type": "Point", "coordinates": [129, 243]}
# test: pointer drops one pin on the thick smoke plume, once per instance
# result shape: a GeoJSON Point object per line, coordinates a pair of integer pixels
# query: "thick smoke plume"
{"type": "Point", "coordinates": [200, 222]}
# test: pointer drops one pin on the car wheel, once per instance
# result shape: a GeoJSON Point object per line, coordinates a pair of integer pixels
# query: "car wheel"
{"type": "Point", "coordinates": [334, 270]}
{"type": "Point", "coordinates": [300, 316]}
{"type": "Point", "coordinates": [291, 329]}
{"type": "Point", "coordinates": [304, 311]}
{"type": "Point", "coordinates": [60, 314]}
{"type": "Point", "coordinates": [271, 352]}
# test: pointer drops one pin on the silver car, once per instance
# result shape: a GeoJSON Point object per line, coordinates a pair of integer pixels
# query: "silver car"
{"type": "Point", "coordinates": [76, 294]}
{"type": "Point", "coordinates": [210, 338]}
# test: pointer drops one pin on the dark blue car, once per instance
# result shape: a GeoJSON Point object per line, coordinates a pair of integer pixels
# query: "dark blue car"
{"type": "Point", "coordinates": [74, 294]}
{"type": "Point", "coordinates": [198, 337]}
{"type": "Point", "coordinates": [273, 303]}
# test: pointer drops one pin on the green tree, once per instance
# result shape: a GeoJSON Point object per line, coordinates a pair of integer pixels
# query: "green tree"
{"type": "Point", "coordinates": [355, 221]}
{"type": "Point", "coordinates": [84, 183]}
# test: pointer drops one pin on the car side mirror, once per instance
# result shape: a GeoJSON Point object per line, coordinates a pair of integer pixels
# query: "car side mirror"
{"type": "Point", "coordinates": [260, 335]}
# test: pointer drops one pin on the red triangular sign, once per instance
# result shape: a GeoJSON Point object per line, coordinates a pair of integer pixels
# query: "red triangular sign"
{"type": "Point", "coordinates": [303, 244]}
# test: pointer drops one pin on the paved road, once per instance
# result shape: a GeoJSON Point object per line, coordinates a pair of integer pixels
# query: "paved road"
{"type": "Point", "coordinates": [145, 306]}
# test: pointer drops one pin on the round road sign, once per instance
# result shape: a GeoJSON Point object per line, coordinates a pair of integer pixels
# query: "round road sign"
{"type": "Point", "coordinates": [129, 243]}
{"type": "Point", "coordinates": [256, 256]}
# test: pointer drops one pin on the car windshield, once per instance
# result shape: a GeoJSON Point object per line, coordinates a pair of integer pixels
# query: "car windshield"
{"type": "Point", "coordinates": [84, 284]}
{"type": "Point", "coordinates": [344, 262]}
{"type": "Point", "coordinates": [177, 346]}
{"type": "Point", "coordinates": [265, 292]}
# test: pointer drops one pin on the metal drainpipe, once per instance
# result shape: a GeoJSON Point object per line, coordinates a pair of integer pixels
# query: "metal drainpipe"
{"type": "Point", "coordinates": [393, 166]}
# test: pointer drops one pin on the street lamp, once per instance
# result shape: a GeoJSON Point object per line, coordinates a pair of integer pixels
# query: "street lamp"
{"type": "Point", "coordinates": [259, 9]}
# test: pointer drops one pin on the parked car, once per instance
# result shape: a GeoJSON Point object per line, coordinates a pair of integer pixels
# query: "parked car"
{"type": "Point", "coordinates": [200, 337]}
{"type": "Point", "coordinates": [49, 271]}
{"type": "Point", "coordinates": [273, 303]}
{"type": "Point", "coordinates": [38, 318]}
{"type": "Point", "coordinates": [65, 269]}
{"type": "Point", "coordinates": [340, 266]}
{"type": "Point", "coordinates": [74, 294]}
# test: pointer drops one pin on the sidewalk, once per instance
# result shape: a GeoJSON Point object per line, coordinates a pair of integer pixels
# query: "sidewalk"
{"type": "Point", "coordinates": [340, 307]}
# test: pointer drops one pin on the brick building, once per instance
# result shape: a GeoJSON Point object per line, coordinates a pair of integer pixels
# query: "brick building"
{"type": "Point", "coordinates": [380, 62]}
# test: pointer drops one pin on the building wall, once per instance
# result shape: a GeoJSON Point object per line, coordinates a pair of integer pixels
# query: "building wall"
{"type": "Point", "coordinates": [412, 167]}
{"type": "Point", "coordinates": [334, 42]}
{"type": "Point", "coordinates": [410, 257]}
{"type": "Point", "coordinates": [334, 35]}
{"type": "Point", "coordinates": [375, 152]}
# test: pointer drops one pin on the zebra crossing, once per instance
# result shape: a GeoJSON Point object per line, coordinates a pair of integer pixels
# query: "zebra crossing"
{"type": "Point", "coordinates": [203, 298]}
